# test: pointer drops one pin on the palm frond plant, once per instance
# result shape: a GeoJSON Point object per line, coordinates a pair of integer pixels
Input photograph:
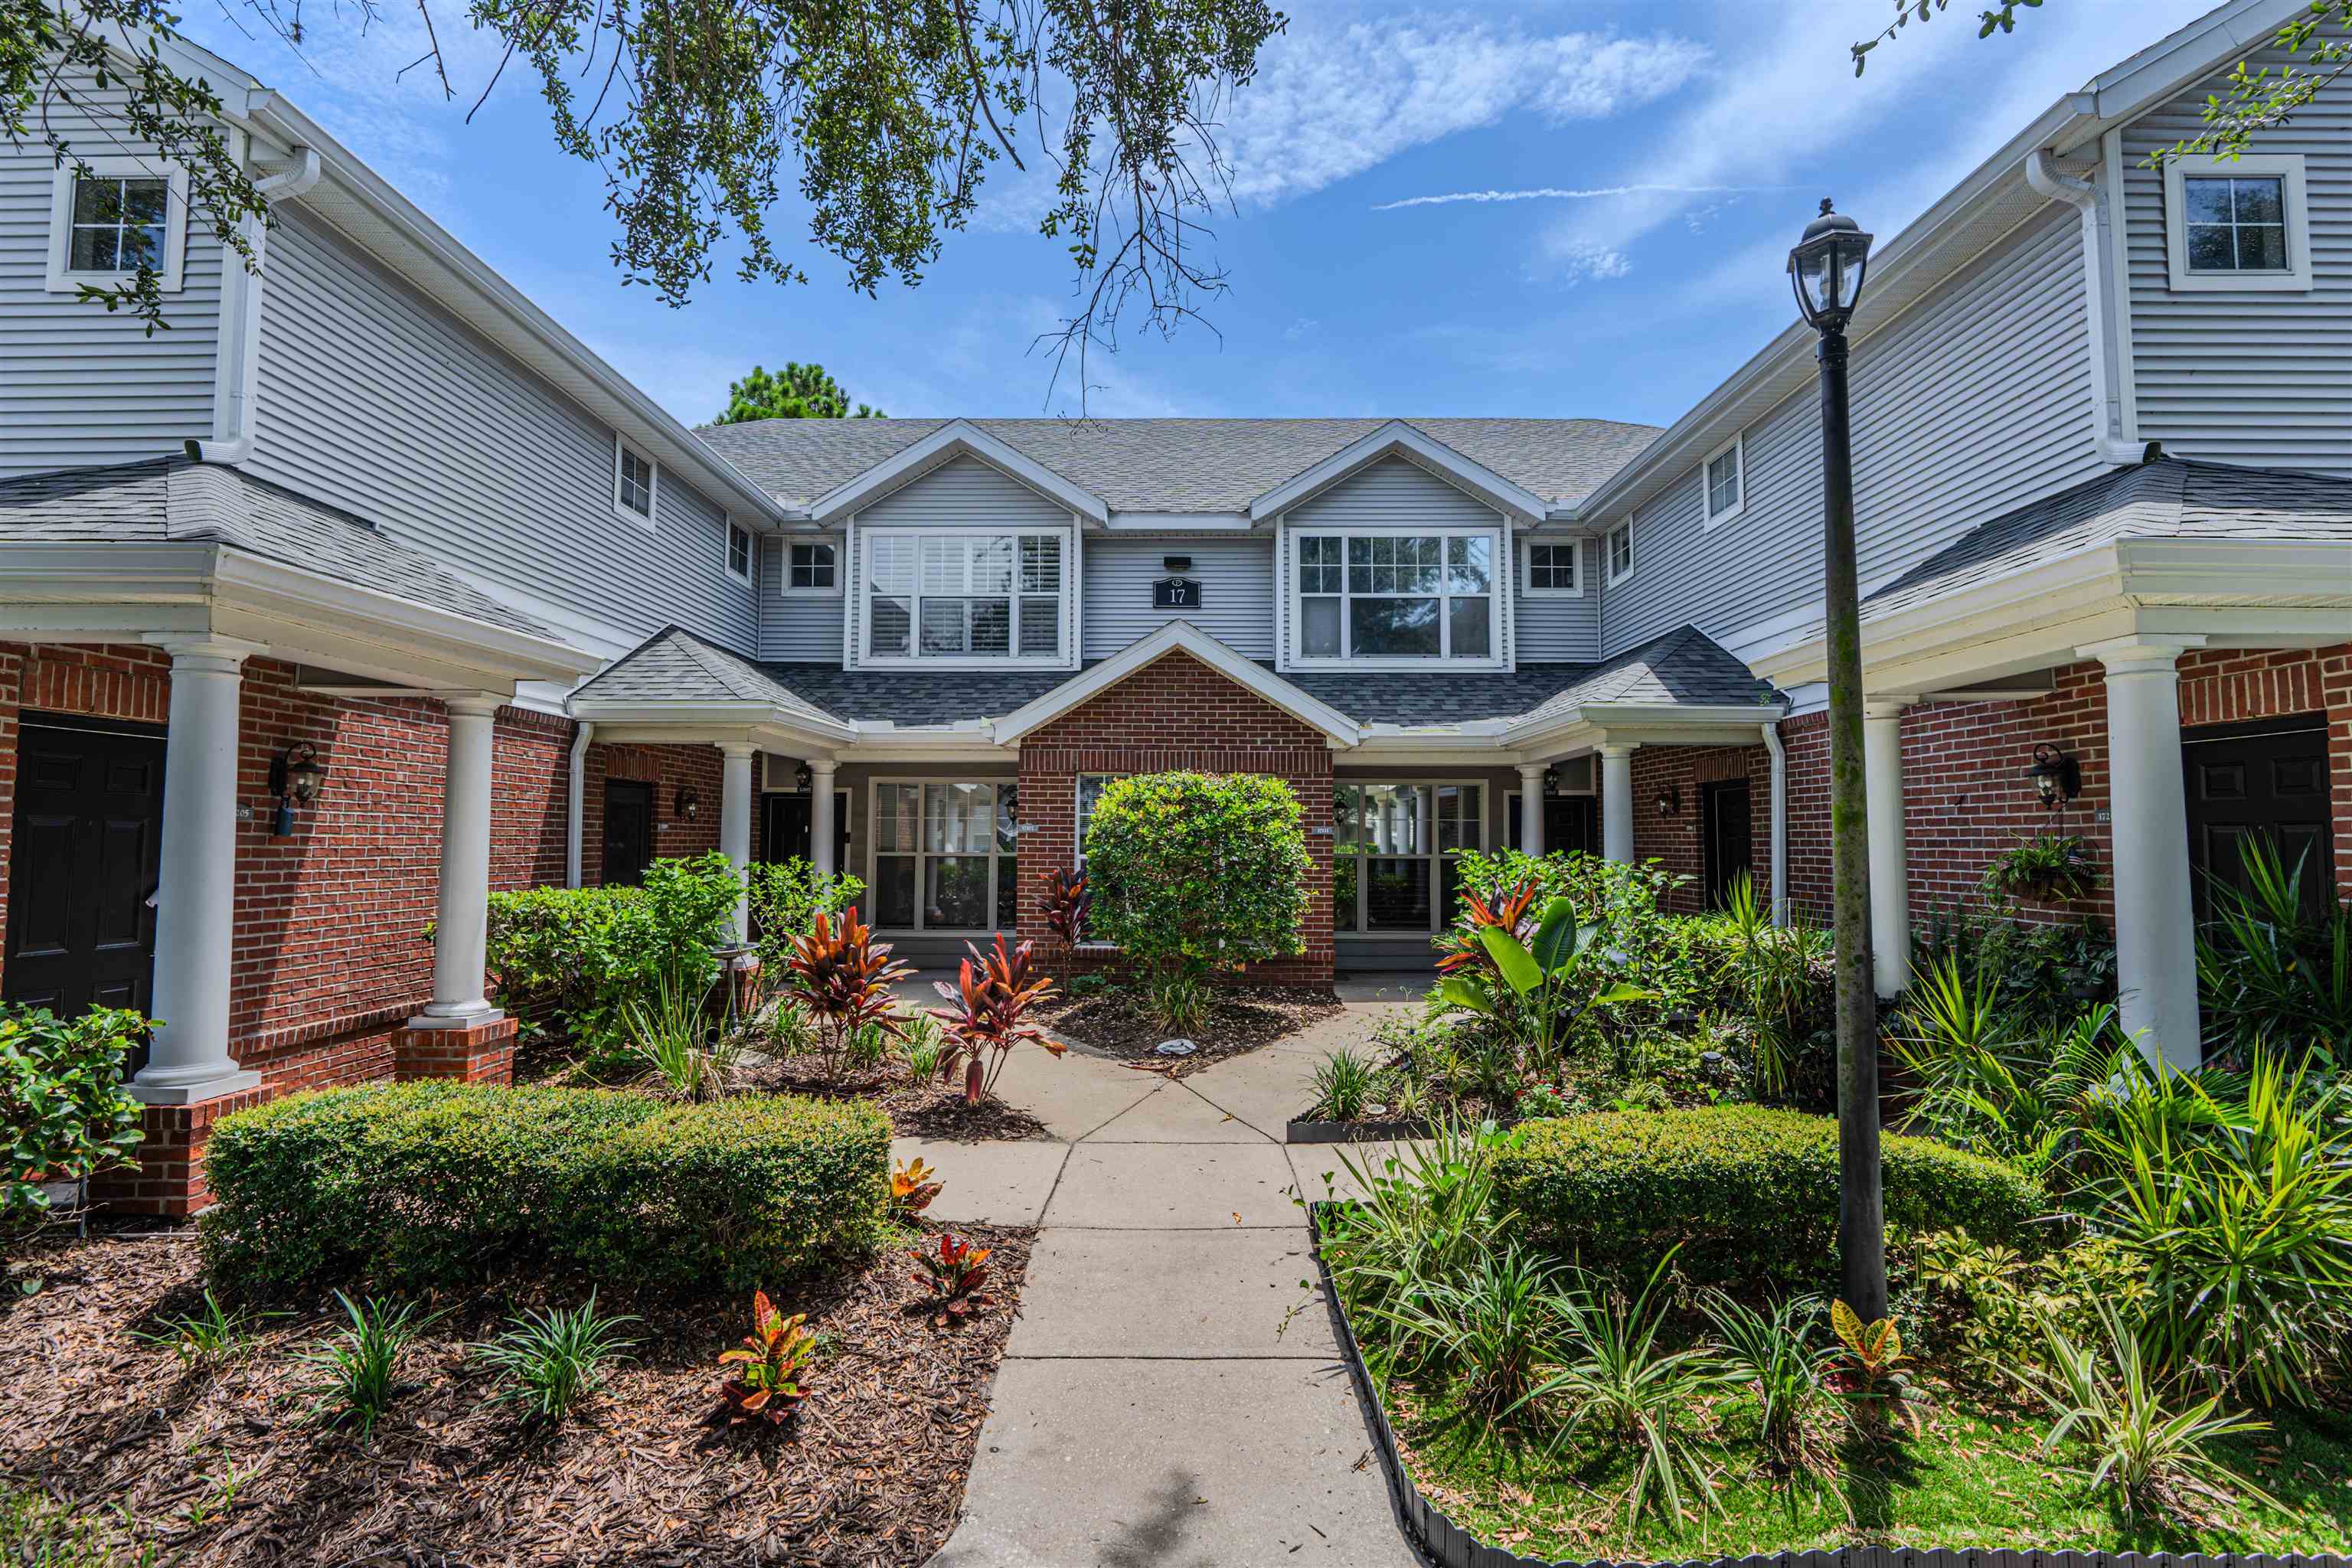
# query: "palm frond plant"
{"type": "Point", "coordinates": [992, 995]}
{"type": "Point", "coordinates": [1783, 970]}
{"type": "Point", "coordinates": [2271, 970]}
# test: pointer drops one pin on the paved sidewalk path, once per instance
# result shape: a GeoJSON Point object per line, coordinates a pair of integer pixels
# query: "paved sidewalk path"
{"type": "Point", "coordinates": [1161, 1402]}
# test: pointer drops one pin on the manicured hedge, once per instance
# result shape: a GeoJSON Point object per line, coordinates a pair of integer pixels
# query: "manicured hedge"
{"type": "Point", "coordinates": [1750, 1193]}
{"type": "Point", "coordinates": [428, 1183]}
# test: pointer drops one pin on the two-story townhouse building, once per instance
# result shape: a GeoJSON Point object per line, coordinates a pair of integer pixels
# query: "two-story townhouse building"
{"type": "Point", "coordinates": [300, 596]}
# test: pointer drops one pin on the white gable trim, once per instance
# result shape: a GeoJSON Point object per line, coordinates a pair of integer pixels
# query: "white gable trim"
{"type": "Point", "coordinates": [1397, 439]}
{"type": "Point", "coordinates": [1185, 638]}
{"type": "Point", "coordinates": [957, 437]}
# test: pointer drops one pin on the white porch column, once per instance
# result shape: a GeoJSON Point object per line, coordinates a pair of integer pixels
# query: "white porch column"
{"type": "Point", "coordinates": [1531, 808]}
{"type": "Point", "coordinates": [195, 896]}
{"type": "Point", "coordinates": [1890, 874]}
{"type": "Point", "coordinates": [461, 924]}
{"type": "Point", "coordinates": [1617, 803]}
{"type": "Point", "coordinates": [2156, 934]}
{"type": "Point", "coordinates": [735, 820]}
{"type": "Point", "coordinates": [823, 829]}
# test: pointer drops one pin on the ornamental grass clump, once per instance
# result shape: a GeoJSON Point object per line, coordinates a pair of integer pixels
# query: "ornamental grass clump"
{"type": "Point", "coordinates": [549, 1362]}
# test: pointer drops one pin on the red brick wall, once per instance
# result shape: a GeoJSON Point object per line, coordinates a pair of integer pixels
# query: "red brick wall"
{"type": "Point", "coordinates": [1178, 713]}
{"type": "Point", "coordinates": [1806, 742]}
{"type": "Point", "coordinates": [1675, 842]}
{"type": "Point", "coordinates": [669, 769]}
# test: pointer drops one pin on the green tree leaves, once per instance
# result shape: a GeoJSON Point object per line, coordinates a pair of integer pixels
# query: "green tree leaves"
{"type": "Point", "coordinates": [796, 392]}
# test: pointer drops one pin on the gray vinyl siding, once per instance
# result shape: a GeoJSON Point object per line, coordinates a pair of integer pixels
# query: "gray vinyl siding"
{"type": "Point", "coordinates": [1553, 629]}
{"type": "Point", "coordinates": [802, 627]}
{"type": "Point", "coordinates": [1973, 401]}
{"type": "Point", "coordinates": [79, 385]}
{"type": "Point", "coordinates": [376, 400]}
{"type": "Point", "coordinates": [964, 493]}
{"type": "Point", "coordinates": [1236, 578]}
{"type": "Point", "coordinates": [1391, 494]}
{"type": "Point", "coordinates": [2253, 377]}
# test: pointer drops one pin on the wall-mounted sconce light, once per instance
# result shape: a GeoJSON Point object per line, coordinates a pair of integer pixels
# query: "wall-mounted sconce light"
{"type": "Point", "coordinates": [803, 778]}
{"type": "Point", "coordinates": [1670, 800]}
{"type": "Point", "coordinates": [686, 806]}
{"type": "Point", "coordinates": [2057, 777]}
{"type": "Point", "coordinates": [294, 776]}
{"type": "Point", "coordinates": [1551, 782]}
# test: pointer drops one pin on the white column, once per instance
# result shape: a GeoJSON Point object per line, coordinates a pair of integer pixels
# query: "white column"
{"type": "Point", "coordinates": [461, 925]}
{"type": "Point", "coordinates": [2155, 936]}
{"type": "Point", "coordinates": [1617, 803]}
{"type": "Point", "coordinates": [1531, 808]}
{"type": "Point", "coordinates": [735, 820]}
{"type": "Point", "coordinates": [823, 829]}
{"type": "Point", "coordinates": [1890, 875]}
{"type": "Point", "coordinates": [195, 897]}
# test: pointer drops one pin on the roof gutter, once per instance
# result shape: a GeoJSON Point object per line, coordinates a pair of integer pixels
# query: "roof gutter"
{"type": "Point", "coordinates": [2111, 434]}
{"type": "Point", "coordinates": [236, 357]}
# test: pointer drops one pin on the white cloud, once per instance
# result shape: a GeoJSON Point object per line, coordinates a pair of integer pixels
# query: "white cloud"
{"type": "Point", "coordinates": [1299, 329]}
{"type": "Point", "coordinates": [1560, 194]}
{"type": "Point", "coordinates": [1595, 264]}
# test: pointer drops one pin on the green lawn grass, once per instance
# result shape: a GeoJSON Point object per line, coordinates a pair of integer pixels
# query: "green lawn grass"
{"type": "Point", "coordinates": [1972, 1477]}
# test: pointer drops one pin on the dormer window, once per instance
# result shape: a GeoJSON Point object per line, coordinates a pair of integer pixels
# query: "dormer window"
{"type": "Point", "coordinates": [1727, 482]}
{"type": "Point", "coordinates": [960, 596]}
{"type": "Point", "coordinates": [633, 483]}
{"type": "Point", "coordinates": [113, 216]}
{"type": "Point", "coordinates": [1420, 596]}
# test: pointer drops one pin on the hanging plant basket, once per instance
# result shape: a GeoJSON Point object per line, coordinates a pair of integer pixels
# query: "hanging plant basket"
{"type": "Point", "coordinates": [2048, 868]}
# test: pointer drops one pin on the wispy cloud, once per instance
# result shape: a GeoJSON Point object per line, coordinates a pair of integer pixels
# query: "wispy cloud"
{"type": "Point", "coordinates": [1560, 194]}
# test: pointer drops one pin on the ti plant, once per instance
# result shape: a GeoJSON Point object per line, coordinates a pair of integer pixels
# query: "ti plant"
{"type": "Point", "coordinates": [1067, 903]}
{"type": "Point", "coordinates": [953, 1271]}
{"type": "Point", "coordinates": [770, 1367]}
{"type": "Point", "coordinates": [1539, 986]}
{"type": "Point", "coordinates": [1868, 1378]}
{"type": "Point", "coordinates": [842, 977]}
{"type": "Point", "coordinates": [912, 1187]}
{"type": "Point", "coordinates": [992, 995]}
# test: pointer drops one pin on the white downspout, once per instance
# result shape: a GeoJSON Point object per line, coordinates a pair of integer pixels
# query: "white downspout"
{"type": "Point", "coordinates": [575, 793]}
{"type": "Point", "coordinates": [2113, 441]}
{"type": "Point", "coordinates": [1780, 817]}
{"type": "Point", "coordinates": [238, 346]}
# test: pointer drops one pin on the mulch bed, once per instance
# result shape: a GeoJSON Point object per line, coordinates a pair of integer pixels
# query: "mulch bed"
{"type": "Point", "coordinates": [917, 1109]}
{"type": "Point", "coordinates": [1118, 1023]}
{"type": "Point", "coordinates": [870, 1472]}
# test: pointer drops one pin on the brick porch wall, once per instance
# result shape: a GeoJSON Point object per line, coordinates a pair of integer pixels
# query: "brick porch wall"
{"type": "Point", "coordinates": [1177, 713]}
{"type": "Point", "coordinates": [1676, 842]}
{"type": "Point", "coordinates": [668, 769]}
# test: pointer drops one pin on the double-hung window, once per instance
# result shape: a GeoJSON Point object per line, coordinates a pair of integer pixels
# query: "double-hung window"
{"type": "Point", "coordinates": [740, 552]}
{"type": "Point", "coordinates": [1727, 482]}
{"type": "Point", "coordinates": [1393, 866]}
{"type": "Point", "coordinates": [934, 593]}
{"type": "Point", "coordinates": [1417, 596]}
{"type": "Point", "coordinates": [1620, 546]}
{"type": "Point", "coordinates": [944, 855]}
{"type": "Point", "coordinates": [633, 483]}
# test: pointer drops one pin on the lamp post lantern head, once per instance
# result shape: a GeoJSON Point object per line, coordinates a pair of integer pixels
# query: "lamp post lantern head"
{"type": "Point", "coordinates": [1826, 269]}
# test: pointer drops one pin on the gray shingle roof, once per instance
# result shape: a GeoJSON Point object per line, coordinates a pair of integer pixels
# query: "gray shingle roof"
{"type": "Point", "coordinates": [2171, 497]}
{"type": "Point", "coordinates": [1179, 465]}
{"type": "Point", "coordinates": [170, 501]}
{"type": "Point", "coordinates": [1680, 667]}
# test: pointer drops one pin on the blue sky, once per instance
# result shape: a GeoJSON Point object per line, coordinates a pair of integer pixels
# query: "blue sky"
{"type": "Point", "coordinates": [1680, 147]}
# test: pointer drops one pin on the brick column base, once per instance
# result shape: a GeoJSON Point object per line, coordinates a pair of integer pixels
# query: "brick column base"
{"type": "Point", "coordinates": [169, 1180]}
{"type": "Point", "coordinates": [481, 1054]}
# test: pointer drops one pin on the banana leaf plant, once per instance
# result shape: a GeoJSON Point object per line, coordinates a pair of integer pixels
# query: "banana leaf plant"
{"type": "Point", "coordinates": [1541, 987]}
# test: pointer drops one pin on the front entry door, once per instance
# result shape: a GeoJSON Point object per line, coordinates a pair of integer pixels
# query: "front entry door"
{"type": "Point", "coordinates": [629, 832]}
{"type": "Point", "coordinates": [2249, 781]}
{"type": "Point", "coordinates": [1571, 822]}
{"type": "Point", "coordinates": [785, 836]}
{"type": "Point", "coordinates": [82, 872]}
{"type": "Point", "coordinates": [1726, 837]}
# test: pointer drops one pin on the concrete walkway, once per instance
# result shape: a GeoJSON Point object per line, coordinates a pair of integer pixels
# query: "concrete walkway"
{"type": "Point", "coordinates": [1170, 1395]}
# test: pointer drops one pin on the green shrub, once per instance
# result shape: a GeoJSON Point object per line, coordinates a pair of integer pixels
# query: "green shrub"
{"type": "Point", "coordinates": [1195, 868]}
{"type": "Point", "coordinates": [786, 898]}
{"type": "Point", "coordinates": [428, 1183]}
{"type": "Point", "coordinates": [63, 1109]}
{"type": "Point", "coordinates": [1749, 1194]}
{"type": "Point", "coordinates": [577, 956]}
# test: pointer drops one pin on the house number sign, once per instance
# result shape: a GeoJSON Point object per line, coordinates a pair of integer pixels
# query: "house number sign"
{"type": "Point", "coordinates": [1176, 593]}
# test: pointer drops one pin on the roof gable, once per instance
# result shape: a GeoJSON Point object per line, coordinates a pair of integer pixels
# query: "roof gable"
{"type": "Point", "coordinates": [1185, 638]}
{"type": "Point", "coordinates": [957, 438]}
{"type": "Point", "coordinates": [1398, 439]}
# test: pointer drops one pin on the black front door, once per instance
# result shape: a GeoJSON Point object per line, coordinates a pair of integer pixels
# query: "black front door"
{"type": "Point", "coordinates": [628, 831]}
{"type": "Point", "coordinates": [2267, 780]}
{"type": "Point", "coordinates": [1727, 841]}
{"type": "Point", "coordinates": [1571, 822]}
{"type": "Point", "coordinates": [785, 836]}
{"type": "Point", "coordinates": [83, 869]}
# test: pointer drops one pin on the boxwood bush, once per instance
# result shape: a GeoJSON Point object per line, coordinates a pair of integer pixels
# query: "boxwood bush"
{"type": "Point", "coordinates": [1750, 1193]}
{"type": "Point", "coordinates": [433, 1183]}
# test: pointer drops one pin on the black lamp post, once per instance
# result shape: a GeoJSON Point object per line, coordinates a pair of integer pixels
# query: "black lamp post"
{"type": "Point", "coordinates": [1826, 269]}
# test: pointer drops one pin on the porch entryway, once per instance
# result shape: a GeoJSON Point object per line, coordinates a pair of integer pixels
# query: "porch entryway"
{"type": "Point", "coordinates": [2266, 780]}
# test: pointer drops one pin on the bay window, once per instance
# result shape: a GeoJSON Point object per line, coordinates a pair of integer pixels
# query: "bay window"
{"type": "Point", "coordinates": [1405, 597]}
{"type": "Point", "coordinates": [956, 595]}
{"type": "Point", "coordinates": [1393, 866]}
{"type": "Point", "coordinates": [944, 855]}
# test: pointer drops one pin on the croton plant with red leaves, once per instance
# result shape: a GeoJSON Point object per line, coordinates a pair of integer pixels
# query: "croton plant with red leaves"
{"type": "Point", "coordinates": [993, 995]}
{"type": "Point", "coordinates": [953, 1271]}
{"type": "Point", "coordinates": [843, 976]}
{"type": "Point", "coordinates": [769, 1366]}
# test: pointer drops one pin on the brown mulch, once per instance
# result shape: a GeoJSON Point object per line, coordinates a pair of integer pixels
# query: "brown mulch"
{"type": "Point", "coordinates": [1118, 1023]}
{"type": "Point", "coordinates": [869, 1473]}
{"type": "Point", "coordinates": [917, 1109]}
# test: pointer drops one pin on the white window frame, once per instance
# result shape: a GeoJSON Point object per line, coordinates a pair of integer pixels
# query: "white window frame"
{"type": "Point", "coordinates": [1500, 553]}
{"type": "Point", "coordinates": [1078, 815]}
{"type": "Point", "coordinates": [621, 509]}
{"type": "Point", "coordinates": [1737, 447]}
{"type": "Point", "coordinates": [171, 274]}
{"type": "Point", "coordinates": [1526, 584]}
{"type": "Point", "coordinates": [2287, 167]}
{"type": "Point", "coordinates": [840, 555]}
{"type": "Point", "coordinates": [1065, 635]}
{"type": "Point", "coordinates": [750, 551]}
{"type": "Point", "coordinates": [1440, 915]}
{"type": "Point", "coordinates": [1609, 553]}
{"type": "Point", "coordinates": [1001, 862]}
